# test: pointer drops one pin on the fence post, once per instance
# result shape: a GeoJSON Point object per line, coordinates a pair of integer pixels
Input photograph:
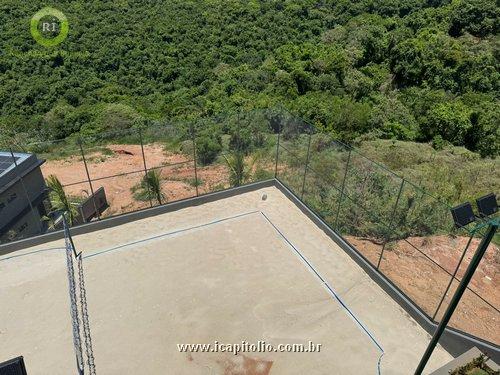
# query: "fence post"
{"type": "Point", "coordinates": [307, 163]}
{"type": "Point", "coordinates": [145, 167]}
{"type": "Point", "coordinates": [193, 139]}
{"type": "Point", "coordinates": [37, 219]}
{"type": "Point", "coordinates": [277, 154]}
{"type": "Point", "coordinates": [238, 127]}
{"type": "Point", "coordinates": [342, 189]}
{"type": "Point", "coordinates": [88, 178]}
{"type": "Point", "coordinates": [391, 221]}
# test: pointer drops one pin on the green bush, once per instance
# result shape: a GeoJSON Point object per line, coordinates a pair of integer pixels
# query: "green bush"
{"type": "Point", "coordinates": [61, 121]}
{"type": "Point", "coordinates": [112, 119]}
{"type": "Point", "coordinates": [241, 140]}
{"type": "Point", "coordinates": [368, 209]}
{"type": "Point", "coordinates": [187, 148]}
{"type": "Point", "coordinates": [450, 120]}
{"type": "Point", "coordinates": [149, 188]}
{"type": "Point", "coordinates": [392, 119]}
{"type": "Point", "coordinates": [208, 148]}
{"type": "Point", "coordinates": [262, 174]}
{"type": "Point", "coordinates": [438, 142]}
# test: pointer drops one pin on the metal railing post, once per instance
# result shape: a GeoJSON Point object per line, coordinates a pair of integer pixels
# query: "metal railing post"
{"type": "Point", "coordinates": [37, 219]}
{"type": "Point", "coordinates": [342, 189]}
{"type": "Point", "coordinates": [305, 168]}
{"type": "Point", "coordinates": [391, 221]}
{"type": "Point", "coordinates": [277, 154]}
{"type": "Point", "coordinates": [89, 180]}
{"type": "Point", "coordinates": [238, 126]}
{"type": "Point", "coordinates": [193, 139]}
{"type": "Point", "coordinates": [145, 167]}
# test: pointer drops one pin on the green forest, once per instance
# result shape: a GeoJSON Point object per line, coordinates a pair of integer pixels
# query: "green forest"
{"type": "Point", "coordinates": [410, 70]}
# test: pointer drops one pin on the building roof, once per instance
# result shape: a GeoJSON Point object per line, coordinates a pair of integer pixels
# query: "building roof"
{"type": "Point", "coordinates": [6, 162]}
{"type": "Point", "coordinates": [9, 173]}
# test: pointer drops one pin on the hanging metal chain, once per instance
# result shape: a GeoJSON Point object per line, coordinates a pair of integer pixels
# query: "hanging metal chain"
{"type": "Point", "coordinates": [85, 318]}
{"type": "Point", "coordinates": [73, 301]}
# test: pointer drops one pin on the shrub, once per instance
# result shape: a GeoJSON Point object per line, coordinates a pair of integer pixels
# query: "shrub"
{"type": "Point", "coordinates": [61, 203]}
{"type": "Point", "coordinates": [239, 169]}
{"type": "Point", "coordinates": [57, 124]}
{"type": "Point", "coordinates": [438, 143]}
{"type": "Point", "coordinates": [208, 148]}
{"type": "Point", "coordinates": [241, 140]}
{"type": "Point", "coordinates": [111, 119]}
{"type": "Point", "coordinates": [187, 148]}
{"type": "Point", "coordinates": [262, 174]}
{"type": "Point", "coordinates": [449, 120]}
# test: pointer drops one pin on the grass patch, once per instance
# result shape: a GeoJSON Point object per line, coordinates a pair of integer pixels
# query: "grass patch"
{"type": "Point", "coordinates": [193, 181]}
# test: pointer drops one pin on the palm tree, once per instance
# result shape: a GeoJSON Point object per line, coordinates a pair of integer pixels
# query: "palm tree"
{"type": "Point", "coordinates": [239, 172]}
{"type": "Point", "coordinates": [152, 182]}
{"type": "Point", "coordinates": [59, 200]}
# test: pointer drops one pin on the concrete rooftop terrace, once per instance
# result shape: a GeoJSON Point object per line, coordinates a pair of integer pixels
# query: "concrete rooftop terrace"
{"type": "Point", "coordinates": [234, 269]}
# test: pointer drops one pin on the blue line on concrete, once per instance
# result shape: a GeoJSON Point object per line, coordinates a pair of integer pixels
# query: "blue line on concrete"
{"type": "Point", "coordinates": [170, 234]}
{"type": "Point", "coordinates": [332, 291]}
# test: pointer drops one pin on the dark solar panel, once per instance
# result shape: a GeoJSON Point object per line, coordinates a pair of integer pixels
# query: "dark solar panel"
{"type": "Point", "coordinates": [5, 162]}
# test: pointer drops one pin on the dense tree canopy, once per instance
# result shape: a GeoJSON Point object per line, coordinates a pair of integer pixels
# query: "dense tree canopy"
{"type": "Point", "coordinates": [403, 69]}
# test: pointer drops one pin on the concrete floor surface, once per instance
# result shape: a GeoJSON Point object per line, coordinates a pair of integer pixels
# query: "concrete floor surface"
{"type": "Point", "coordinates": [229, 281]}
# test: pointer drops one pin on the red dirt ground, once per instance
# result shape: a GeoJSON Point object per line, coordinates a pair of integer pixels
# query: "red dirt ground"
{"type": "Point", "coordinates": [424, 282]}
{"type": "Point", "coordinates": [128, 158]}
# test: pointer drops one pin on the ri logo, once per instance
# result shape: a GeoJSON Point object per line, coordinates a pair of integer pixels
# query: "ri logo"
{"type": "Point", "coordinates": [49, 27]}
